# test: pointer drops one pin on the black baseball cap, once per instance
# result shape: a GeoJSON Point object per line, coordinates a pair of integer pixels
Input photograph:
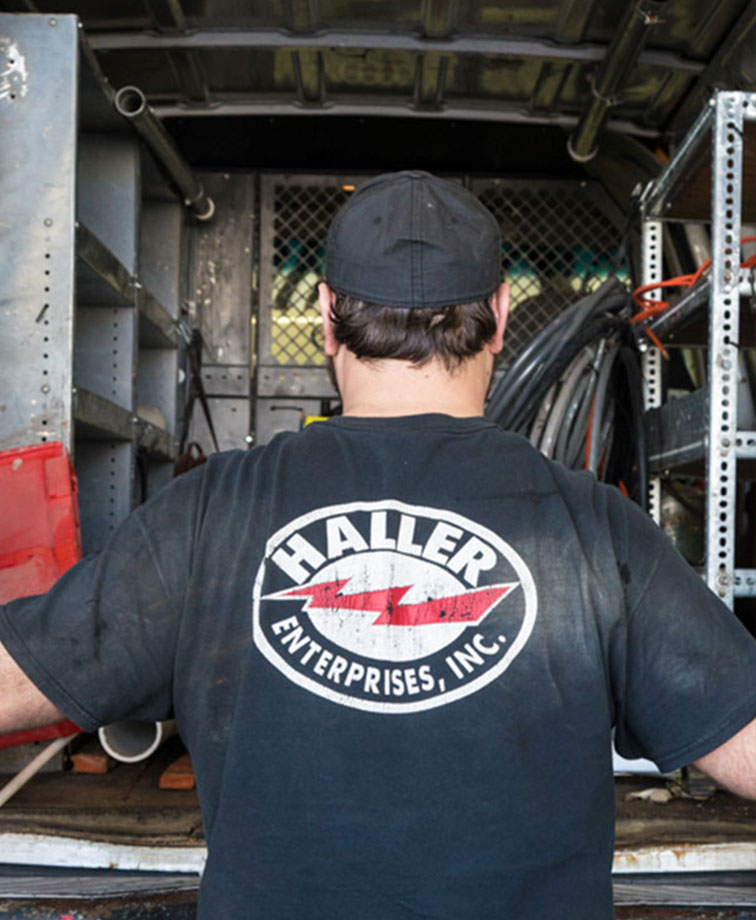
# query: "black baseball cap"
{"type": "Point", "coordinates": [410, 239]}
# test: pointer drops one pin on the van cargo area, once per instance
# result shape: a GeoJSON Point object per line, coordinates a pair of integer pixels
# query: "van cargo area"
{"type": "Point", "coordinates": [168, 173]}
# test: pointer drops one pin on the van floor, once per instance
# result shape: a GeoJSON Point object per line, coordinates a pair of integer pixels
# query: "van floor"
{"type": "Point", "coordinates": [127, 806]}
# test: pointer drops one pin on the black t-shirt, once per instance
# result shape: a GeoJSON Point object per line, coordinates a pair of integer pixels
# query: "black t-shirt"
{"type": "Point", "coordinates": [396, 649]}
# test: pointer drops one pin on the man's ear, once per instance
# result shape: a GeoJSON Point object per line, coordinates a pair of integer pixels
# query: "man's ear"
{"type": "Point", "coordinates": [500, 307]}
{"type": "Point", "coordinates": [326, 300]}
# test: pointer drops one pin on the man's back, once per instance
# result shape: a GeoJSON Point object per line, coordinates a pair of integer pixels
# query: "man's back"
{"type": "Point", "coordinates": [397, 649]}
{"type": "Point", "coordinates": [396, 646]}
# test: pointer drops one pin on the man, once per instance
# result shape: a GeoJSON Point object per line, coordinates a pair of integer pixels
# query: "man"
{"type": "Point", "coordinates": [397, 643]}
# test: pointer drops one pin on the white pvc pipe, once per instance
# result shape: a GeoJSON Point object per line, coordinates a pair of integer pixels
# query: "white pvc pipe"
{"type": "Point", "coordinates": [131, 741]}
{"type": "Point", "coordinates": [32, 768]}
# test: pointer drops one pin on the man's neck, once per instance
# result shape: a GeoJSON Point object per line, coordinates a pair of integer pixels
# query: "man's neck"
{"type": "Point", "coordinates": [393, 388]}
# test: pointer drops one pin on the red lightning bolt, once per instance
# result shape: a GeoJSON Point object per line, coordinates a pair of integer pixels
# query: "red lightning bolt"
{"type": "Point", "coordinates": [469, 607]}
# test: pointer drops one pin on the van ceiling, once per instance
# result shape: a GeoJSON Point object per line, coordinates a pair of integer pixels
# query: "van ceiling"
{"type": "Point", "coordinates": [233, 79]}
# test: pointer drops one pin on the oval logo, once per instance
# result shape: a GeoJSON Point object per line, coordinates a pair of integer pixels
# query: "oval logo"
{"type": "Point", "coordinates": [389, 607]}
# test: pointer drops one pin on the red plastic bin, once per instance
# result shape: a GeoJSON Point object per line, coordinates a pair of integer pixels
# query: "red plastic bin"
{"type": "Point", "coordinates": [40, 537]}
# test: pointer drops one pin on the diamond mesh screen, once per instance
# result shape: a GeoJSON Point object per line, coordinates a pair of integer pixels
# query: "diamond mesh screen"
{"type": "Point", "coordinates": [557, 245]}
{"type": "Point", "coordinates": [302, 214]}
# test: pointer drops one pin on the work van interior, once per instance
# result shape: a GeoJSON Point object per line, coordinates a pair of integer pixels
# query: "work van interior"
{"type": "Point", "coordinates": [169, 170]}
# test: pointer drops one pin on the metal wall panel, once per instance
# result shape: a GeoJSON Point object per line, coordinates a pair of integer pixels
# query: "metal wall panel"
{"type": "Point", "coordinates": [160, 273]}
{"type": "Point", "coordinates": [291, 381]}
{"type": "Point", "coordinates": [105, 352]}
{"type": "Point", "coordinates": [105, 472]}
{"type": "Point", "coordinates": [274, 416]}
{"type": "Point", "coordinates": [156, 385]}
{"type": "Point", "coordinates": [226, 379]}
{"type": "Point", "coordinates": [38, 131]}
{"type": "Point", "coordinates": [107, 194]}
{"type": "Point", "coordinates": [161, 231]}
{"type": "Point", "coordinates": [220, 286]}
{"type": "Point", "coordinates": [230, 419]}
{"type": "Point", "coordinates": [222, 269]}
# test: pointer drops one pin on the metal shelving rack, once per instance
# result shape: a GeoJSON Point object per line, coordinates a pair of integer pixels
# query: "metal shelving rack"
{"type": "Point", "coordinates": [90, 275]}
{"type": "Point", "coordinates": [704, 424]}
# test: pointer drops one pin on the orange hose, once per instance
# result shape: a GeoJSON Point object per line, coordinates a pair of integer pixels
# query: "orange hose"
{"type": "Point", "coordinates": [651, 308]}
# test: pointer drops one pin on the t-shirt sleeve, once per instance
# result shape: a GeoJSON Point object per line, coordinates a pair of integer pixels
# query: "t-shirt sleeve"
{"type": "Point", "coordinates": [683, 666]}
{"type": "Point", "coordinates": [101, 643]}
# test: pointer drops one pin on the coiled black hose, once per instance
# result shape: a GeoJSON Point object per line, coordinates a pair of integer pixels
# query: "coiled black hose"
{"type": "Point", "coordinates": [631, 364]}
{"type": "Point", "coordinates": [577, 390]}
{"type": "Point", "coordinates": [609, 296]}
{"type": "Point", "coordinates": [514, 415]}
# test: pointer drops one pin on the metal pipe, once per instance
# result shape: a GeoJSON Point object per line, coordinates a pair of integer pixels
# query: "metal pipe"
{"type": "Point", "coordinates": [620, 58]}
{"type": "Point", "coordinates": [131, 741]}
{"type": "Point", "coordinates": [131, 103]}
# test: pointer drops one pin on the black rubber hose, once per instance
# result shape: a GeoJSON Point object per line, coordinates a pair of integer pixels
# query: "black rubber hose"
{"type": "Point", "coordinates": [607, 298]}
{"type": "Point", "coordinates": [560, 453]}
{"type": "Point", "coordinates": [505, 400]}
{"type": "Point", "coordinates": [530, 376]}
{"type": "Point", "coordinates": [575, 452]}
{"type": "Point", "coordinates": [596, 328]}
{"type": "Point", "coordinates": [529, 361]}
{"type": "Point", "coordinates": [540, 345]}
{"type": "Point", "coordinates": [631, 363]}
{"type": "Point", "coordinates": [593, 450]}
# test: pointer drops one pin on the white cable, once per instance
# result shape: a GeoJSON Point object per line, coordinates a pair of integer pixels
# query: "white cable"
{"type": "Point", "coordinates": [34, 766]}
{"type": "Point", "coordinates": [571, 379]}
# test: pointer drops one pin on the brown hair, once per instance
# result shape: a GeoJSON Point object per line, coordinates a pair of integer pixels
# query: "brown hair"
{"type": "Point", "coordinates": [451, 334]}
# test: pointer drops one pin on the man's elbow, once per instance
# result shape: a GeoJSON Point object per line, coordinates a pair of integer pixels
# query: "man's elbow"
{"type": "Point", "coordinates": [733, 764]}
{"type": "Point", "coordinates": [22, 704]}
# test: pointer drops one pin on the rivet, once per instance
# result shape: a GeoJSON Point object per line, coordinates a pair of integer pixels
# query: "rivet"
{"type": "Point", "coordinates": [48, 222]}
{"type": "Point", "coordinates": [45, 388]}
{"type": "Point", "coordinates": [52, 21]}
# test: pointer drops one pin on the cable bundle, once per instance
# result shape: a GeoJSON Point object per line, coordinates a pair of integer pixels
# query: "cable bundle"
{"type": "Point", "coordinates": [576, 391]}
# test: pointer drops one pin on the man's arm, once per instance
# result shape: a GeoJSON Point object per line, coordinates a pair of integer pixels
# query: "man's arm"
{"type": "Point", "coordinates": [733, 764]}
{"type": "Point", "coordinates": [22, 705]}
